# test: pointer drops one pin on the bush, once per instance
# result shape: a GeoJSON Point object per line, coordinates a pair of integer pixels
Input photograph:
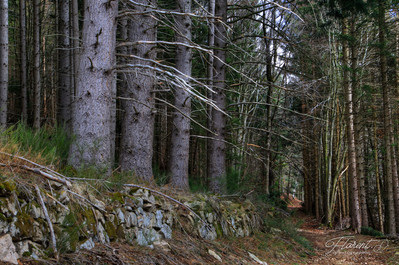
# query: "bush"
{"type": "Point", "coordinates": [370, 231]}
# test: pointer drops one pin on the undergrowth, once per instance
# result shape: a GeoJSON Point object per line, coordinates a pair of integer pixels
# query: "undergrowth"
{"type": "Point", "coordinates": [288, 228]}
{"type": "Point", "coordinates": [48, 144]}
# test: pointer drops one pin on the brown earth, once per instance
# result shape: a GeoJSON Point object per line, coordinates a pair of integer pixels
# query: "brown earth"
{"type": "Point", "coordinates": [345, 247]}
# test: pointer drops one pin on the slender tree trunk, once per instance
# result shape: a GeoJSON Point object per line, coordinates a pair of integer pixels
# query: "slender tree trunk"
{"type": "Point", "coordinates": [138, 118]}
{"type": "Point", "coordinates": [387, 119]}
{"type": "Point", "coordinates": [64, 65]}
{"type": "Point", "coordinates": [180, 141]}
{"type": "Point", "coordinates": [92, 107]}
{"type": "Point", "coordinates": [355, 207]}
{"type": "Point", "coordinates": [358, 131]}
{"type": "Point", "coordinates": [24, 82]}
{"type": "Point", "coordinates": [211, 43]}
{"type": "Point", "coordinates": [217, 155]}
{"type": "Point", "coordinates": [3, 62]}
{"type": "Point", "coordinates": [36, 65]}
{"type": "Point", "coordinates": [377, 177]}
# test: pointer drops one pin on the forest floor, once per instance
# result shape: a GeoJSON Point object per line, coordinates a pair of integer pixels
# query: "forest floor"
{"type": "Point", "coordinates": [345, 247]}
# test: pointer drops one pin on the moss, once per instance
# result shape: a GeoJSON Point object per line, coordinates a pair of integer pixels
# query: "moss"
{"type": "Point", "coordinates": [133, 190]}
{"type": "Point", "coordinates": [117, 196]}
{"type": "Point", "coordinates": [3, 217]}
{"type": "Point", "coordinates": [24, 223]}
{"type": "Point", "coordinates": [219, 230]}
{"type": "Point", "coordinates": [7, 187]}
{"type": "Point", "coordinates": [26, 254]}
{"type": "Point", "coordinates": [120, 232]}
{"type": "Point", "coordinates": [69, 232]}
{"type": "Point", "coordinates": [111, 229]}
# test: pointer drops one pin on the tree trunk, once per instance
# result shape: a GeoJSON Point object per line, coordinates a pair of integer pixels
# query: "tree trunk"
{"type": "Point", "coordinates": [180, 141]}
{"type": "Point", "coordinates": [217, 155]}
{"type": "Point", "coordinates": [358, 131]}
{"type": "Point", "coordinates": [3, 62]}
{"type": "Point", "coordinates": [64, 65]}
{"type": "Point", "coordinates": [377, 176]}
{"type": "Point", "coordinates": [24, 82]}
{"type": "Point", "coordinates": [92, 107]}
{"type": "Point", "coordinates": [76, 44]}
{"type": "Point", "coordinates": [355, 207]}
{"type": "Point", "coordinates": [36, 65]}
{"type": "Point", "coordinates": [138, 117]}
{"type": "Point", "coordinates": [211, 44]}
{"type": "Point", "coordinates": [387, 119]}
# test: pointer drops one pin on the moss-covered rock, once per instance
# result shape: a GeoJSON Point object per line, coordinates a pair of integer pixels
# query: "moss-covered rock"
{"type": "Point", "coordinates": [7, 187]}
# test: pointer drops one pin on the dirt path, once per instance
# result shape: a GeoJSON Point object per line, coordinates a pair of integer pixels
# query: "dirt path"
{"type": "Point", "coordinates": [345, 247]}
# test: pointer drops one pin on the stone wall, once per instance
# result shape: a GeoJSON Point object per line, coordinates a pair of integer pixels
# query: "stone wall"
{"type": "Point", "coordinates": [136, 216]}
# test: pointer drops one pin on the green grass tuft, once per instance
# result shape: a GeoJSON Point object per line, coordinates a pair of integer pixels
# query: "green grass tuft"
{"type": "Point", "coordinates": [50, 143]}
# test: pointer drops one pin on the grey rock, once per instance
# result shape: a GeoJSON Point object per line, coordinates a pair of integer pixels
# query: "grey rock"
{"type": "Point", "coordinates": [210, 217]}
{"type": "Point", "coordinates": [37, 233]}
{"type": "Point", "coordinates": [61, 215]}
{"type": "Point", "coordinates": [4, 226]}
{"type": "Point", "coordinates": [166, 231]}
{"type": "Point", "coordinates": [130, 235]}
{"type": "Point", "coordinates": [140, 210]}
{"type": "Point", "coordinates": [151, 235]}
{"type": "Point", "coordinates": [88, 244]}
{"type": "Point", "coordinates": [7, 250]}
{"type": "Point", "coordinates": [213, 254]}
{"type": "Point", "coordinates": [121, 216]}
{"type": "Point", "coordinates": [36, 212]}
{"type": "Point", "coordinates": [12, 228]}
{"type": "Point", "coordinates": [100, 217]}
{"type": "Point", "coordinates": [145, 237]}
{"type": "Point", "coordinates": [149, 220]}
{"type": "Point", "coordinates": [141, 240]}
{"type": "Point", "coordinates": [208, 232]}
{"type": "Point", "coordinates": [101, 234]}
{"type": "Point", "coordinates": [140, 220]}
{"type": "Point", "coordinates": [158, 217]}
{"type": "Point", "coordinates": [110, 217]}
{"type": "Point", "coordinates": [131, 219]}
{"type": "Point", "coordinates": [28, 247]}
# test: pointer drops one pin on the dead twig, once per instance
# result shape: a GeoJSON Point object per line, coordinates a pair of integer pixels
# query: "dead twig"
{"type": "Point", "coordinates": [50, 224]}
{"type": "Point", "coordinates": [86, 200]}
{"type": "Point", "coordinates": [50, 174]}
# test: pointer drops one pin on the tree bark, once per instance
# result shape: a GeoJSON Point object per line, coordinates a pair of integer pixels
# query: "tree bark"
{"type": "Point", "coordinates": [36, 65]}
{"type": "Point", "coordinates": [377, 176]}
{"type": "Point", "coordinates": [64, 65]}
{"type": "Point", "coordinates": [92, 106]}
{"type": "Point", "coordinates": [391, 196]}
{"type": "Point", "coordinates": [217, 155]}
{"type": "Point", "coordinates": [358, 130]}
{"type": "Point", "coordinates": [76, 44]}
{"type": "Point", "coordinates": [180, 142]}
{"type": "Point", "coordinates": [3, 63]}
{"type": "Point", "coordinates": [24, 83]}
{"type": "Point", "coordinates": [355, 207]}
{"type": "Point", "coordinates": [138, 117]}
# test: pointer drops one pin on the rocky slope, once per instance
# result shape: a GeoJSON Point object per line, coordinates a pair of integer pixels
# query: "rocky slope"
{"type": "Point", "coordinates": [80, 217]}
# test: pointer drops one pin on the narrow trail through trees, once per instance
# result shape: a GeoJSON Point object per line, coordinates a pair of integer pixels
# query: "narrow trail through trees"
{"type": "Point", "coordinates": [333, 246]}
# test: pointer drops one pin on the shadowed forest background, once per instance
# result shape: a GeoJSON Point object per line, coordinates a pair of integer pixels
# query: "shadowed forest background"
{"type": "Point", "coordinates": [229, 96]}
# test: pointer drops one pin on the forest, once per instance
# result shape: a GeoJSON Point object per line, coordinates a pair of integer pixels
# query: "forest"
{"type": "Point", "coordinates": [225, 96]}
